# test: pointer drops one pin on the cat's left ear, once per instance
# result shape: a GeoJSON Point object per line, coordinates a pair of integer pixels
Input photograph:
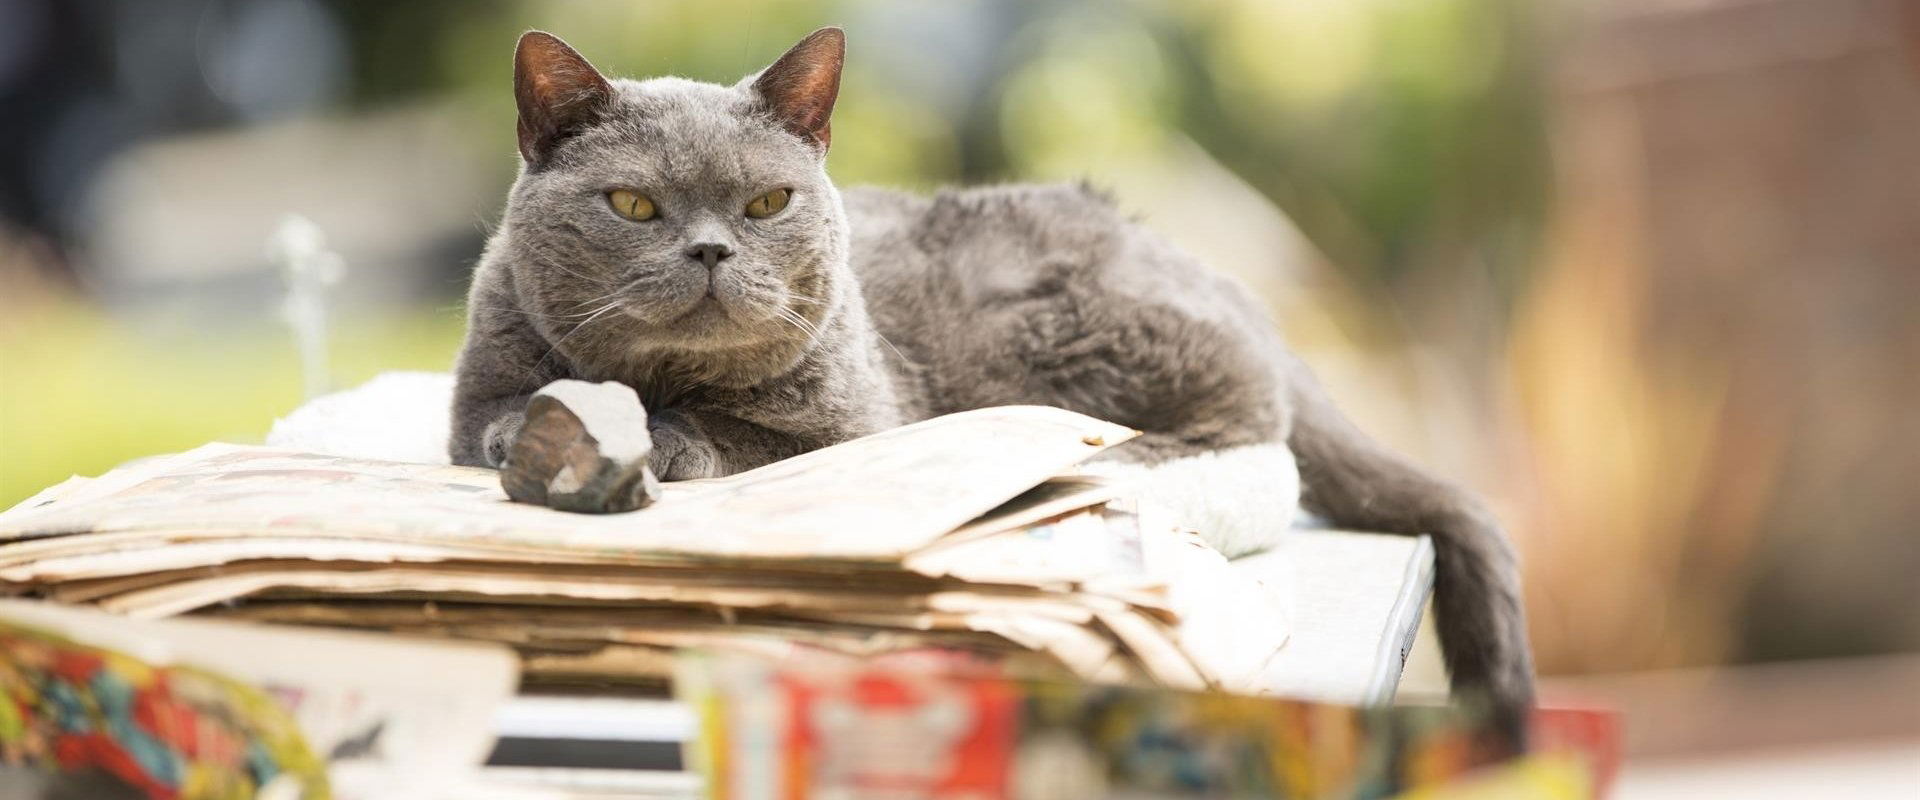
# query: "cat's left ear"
{"type": "Point", "coordinates": [800, 88]}
{"type": "Point", "coordinates": [557, 91]}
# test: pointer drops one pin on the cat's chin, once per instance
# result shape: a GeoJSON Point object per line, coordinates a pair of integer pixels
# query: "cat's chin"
{"type": "Point", "coordinates": [706, 323]}
{"type": "Point", "coordinates": [699, 314]}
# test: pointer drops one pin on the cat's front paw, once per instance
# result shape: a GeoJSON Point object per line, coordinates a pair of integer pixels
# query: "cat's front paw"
{"type": "Point", "coordinates": [679, 452]}
{"type": "Point", "coordinates": [582, 447]}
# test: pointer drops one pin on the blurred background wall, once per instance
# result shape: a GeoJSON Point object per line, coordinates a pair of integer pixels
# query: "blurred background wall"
{"type": "Point", "coordinates": [1642, 271]}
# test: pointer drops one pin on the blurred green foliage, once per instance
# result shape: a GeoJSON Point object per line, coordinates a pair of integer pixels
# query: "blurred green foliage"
{"type": "Point", "coordinates": [103, 392]}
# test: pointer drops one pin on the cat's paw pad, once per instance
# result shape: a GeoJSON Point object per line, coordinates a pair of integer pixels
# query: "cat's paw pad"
{"type": "Point", "coordinates": [680, 455]}
{"type": "Point", "coordinates": [583, 447]}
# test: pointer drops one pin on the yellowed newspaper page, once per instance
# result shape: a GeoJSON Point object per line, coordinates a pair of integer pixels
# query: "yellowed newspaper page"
{"type": "Point", "coordinates": [871, 499]}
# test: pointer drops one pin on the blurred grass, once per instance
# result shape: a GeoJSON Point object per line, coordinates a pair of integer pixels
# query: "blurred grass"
{"type": "Point", "coordinates": [81, 391]}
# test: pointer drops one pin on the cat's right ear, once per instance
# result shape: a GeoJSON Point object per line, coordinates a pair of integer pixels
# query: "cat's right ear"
{"type": "Point", "coordinates": [800, 88]}
{"type": "Point", "coordinates": [558, 92]}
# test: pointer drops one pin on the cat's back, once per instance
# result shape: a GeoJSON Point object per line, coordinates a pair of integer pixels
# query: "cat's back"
{"type": "Point", "coordinates": [994, 244]}
{"type": "Point", "coordinates": [930, 264]}
{"type": "Point", "coordinates": [995, 233]}
{"type": "Point", "coordinates": [953, 255]}
{"type": "Point", "coordinates": [1049, 293]}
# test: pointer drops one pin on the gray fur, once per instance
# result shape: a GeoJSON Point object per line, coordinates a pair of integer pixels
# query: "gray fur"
{"type": "Point", "coordinates": [836, 319]}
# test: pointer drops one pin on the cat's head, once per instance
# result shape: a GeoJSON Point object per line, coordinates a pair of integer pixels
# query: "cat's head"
{"type": "Point", "coordinates": [674, 214]}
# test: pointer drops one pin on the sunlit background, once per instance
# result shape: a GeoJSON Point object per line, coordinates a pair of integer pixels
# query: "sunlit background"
{"type": "Point", "coordinates": [1644, 272]}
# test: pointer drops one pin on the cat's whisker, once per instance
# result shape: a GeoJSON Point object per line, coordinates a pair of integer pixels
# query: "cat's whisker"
{"type": "Point", "coordinates": [811, 326]}
{"type": "Point", "coordinates": [588, 278]}
{"type": "Point", "coordinates": [558, 317]}
{"type": "Point", "coordinates": [782, 315]}
{"type": "Point", "coordinates": [582, 325]}
{"type": "Point", "coordinates": [594, 315]}
{"type": "Point", "coordinates": [795, 297]}
{"type": "Point", "coordinates": [797, 319]}
{"type": "Point", "coordinates": [798, 322]}
{"type": "Point", "coordinates": [621, 289]}
{"type": "Point", "coordinates": [896, 350]}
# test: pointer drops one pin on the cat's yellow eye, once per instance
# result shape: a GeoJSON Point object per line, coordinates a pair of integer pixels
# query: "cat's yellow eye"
{"type": "Point", "coordinates": [769, 204]}
{"type": "Point", "coordinates": [631, 204]}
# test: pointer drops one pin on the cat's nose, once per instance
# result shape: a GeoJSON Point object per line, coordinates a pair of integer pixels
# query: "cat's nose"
{"type": "Point", "coordinates": [709, 253]}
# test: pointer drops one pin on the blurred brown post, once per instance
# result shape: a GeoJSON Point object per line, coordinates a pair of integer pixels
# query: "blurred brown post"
{"type": "Point", "coordinates": [1733, 266]}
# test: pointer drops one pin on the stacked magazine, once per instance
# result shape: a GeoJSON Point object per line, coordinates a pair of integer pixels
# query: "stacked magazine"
{"type": "Point", "coordinates": [973, 531]}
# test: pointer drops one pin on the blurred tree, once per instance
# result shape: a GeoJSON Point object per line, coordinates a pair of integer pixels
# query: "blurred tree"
{"type": "Point", "coordinates": [1406, 139]}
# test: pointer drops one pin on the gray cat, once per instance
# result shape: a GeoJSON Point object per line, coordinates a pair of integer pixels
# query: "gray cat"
{"type": "Point", "coordinates": [683, 238]}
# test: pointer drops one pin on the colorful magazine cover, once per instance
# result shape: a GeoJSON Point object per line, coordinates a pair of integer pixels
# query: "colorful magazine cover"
{"type": "Point", "coordinates": [929, 725]}
{"type": "Point", "coordinates": [98, 706]}
{"type": "Point", "coordinates": [83, 716]}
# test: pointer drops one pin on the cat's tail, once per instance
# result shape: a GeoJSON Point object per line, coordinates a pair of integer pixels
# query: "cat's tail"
{"type": "Point", "coordinates": [1357, 484]}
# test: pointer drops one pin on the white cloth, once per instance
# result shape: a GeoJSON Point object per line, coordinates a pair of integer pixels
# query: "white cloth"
{"type": "Point", "coordinates": [397, 416]}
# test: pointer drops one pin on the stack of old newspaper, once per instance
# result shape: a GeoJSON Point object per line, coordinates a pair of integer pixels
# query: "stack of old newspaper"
{"type": "Point", "coordinates": [973, 531]}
